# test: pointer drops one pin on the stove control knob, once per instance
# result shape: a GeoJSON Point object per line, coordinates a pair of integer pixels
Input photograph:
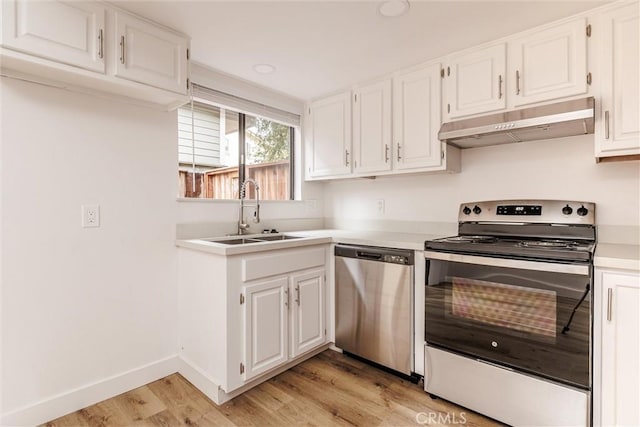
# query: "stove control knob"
{"type": "Point", "coordinates": [466, 210]}
{"type": "Point", "coordinates": [567, 210]}
{"type": "Point", "coordinates": [582, 211]}
{"type": "Point", "coordinates": [476, 209]}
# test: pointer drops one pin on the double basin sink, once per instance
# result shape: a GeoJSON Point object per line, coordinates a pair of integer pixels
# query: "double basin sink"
{"type": "Point", "coordinates": [252, 239]}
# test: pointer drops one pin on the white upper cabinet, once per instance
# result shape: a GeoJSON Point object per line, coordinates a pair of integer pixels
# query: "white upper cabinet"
{"type": "Point", "coordinates": [618, 40]}
{"type": "Point", "coordinates": [94, 47]}
{"type": "Point", "coordinates": [536, 67]}
{"type": "Point", "coordinates": [372, 128]}
{"type": "Point", "coordinates": [150, 54]}
{"type": "Point", "coordinates": [330, 137]}
{"type": "Point", "coordinates": [474, 82]}
{"type": "Point", "coordinates": [395, 129]}
{"type": "Point", "coordinates": [71, 32]}
{"type": "Point", "coordinates": [548, 64]}
{"type": "Point", "coordinates": [416, 118]}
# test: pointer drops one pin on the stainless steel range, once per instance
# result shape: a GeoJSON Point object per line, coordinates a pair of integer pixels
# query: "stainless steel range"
{"type": "Point", "coordinates": [508, 311]}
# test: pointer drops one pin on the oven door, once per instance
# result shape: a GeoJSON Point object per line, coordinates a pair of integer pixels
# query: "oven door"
{"type": "Point", "coordinates": [529, 315]}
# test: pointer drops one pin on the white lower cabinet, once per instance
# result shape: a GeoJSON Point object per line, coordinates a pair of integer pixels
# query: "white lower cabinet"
{"type": "Point", "coordinates": [244, 317]}
{"type": "Point", "coordinates": [617, 348]}
{"type": "Point", "coordinates": [283, 318]}
{"type": "Point", "coordinates": [265, 326]}
{"type": "Point", "coordinates": [308, 327]}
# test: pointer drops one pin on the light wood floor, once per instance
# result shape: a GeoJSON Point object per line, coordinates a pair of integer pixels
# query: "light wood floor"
{"type": "Point", "coordinates": [329, 389]}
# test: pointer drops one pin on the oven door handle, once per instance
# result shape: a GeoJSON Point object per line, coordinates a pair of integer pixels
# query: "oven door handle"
{"type": "Point", "coordinates": [582, 270]}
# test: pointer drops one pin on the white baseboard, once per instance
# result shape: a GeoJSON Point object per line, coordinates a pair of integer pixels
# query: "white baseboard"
{"type": "Point", "coordinates": [64, 403]}
{"type": "Point", "coordinates": [212, 390]}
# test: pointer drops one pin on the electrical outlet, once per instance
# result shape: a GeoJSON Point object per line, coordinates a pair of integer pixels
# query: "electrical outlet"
{"type": "Point", "coordinates": [90, 216]}
{"type": "Point", "coordinates": [381, 206]}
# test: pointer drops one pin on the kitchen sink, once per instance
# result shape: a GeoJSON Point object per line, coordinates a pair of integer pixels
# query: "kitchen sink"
{"type": "Point", "coordinates": [233, 241]}
{"type": "Point", "coordinates": [271, 238]}
{"type": "Point", "coordinates": [253, 239]}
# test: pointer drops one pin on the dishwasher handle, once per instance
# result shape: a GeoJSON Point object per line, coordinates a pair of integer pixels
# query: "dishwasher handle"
{"type": "Point", "coordinates": [369, 255]}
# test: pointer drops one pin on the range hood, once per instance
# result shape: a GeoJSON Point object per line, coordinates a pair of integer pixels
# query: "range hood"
{"type": "Point", "coordinates": [566, 118]}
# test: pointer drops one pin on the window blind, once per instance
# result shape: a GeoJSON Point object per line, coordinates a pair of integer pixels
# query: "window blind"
{"type": "Point", "coordinates": [232, 102]}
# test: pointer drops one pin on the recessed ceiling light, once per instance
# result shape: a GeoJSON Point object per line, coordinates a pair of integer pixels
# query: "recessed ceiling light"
{"type": "Point", "coordinates": [264, 68]}
{"type": "Point", "coordinates": [392, 8]}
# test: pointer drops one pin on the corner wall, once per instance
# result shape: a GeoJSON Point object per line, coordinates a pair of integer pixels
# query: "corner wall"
{"type": "Point", "coordinates": [83, 307]}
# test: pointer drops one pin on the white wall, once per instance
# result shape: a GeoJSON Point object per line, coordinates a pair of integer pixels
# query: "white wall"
{"type": "Point", "coordinates": [83, 305]}
{"type": "Point", "coordinates": [554, 169]}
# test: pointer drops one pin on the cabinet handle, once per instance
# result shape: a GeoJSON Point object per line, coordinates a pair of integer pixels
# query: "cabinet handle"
{"type": "Point", "coordinates": [517, 82]}
{"type": "Point", "coordinates": [386, 153]}
{"type": "Point", "coordinates": [399, 157]}
{"type": "Point", "coordinates": [122, 49]}
{"type": "Point", "coordinates": [298, 294]}
{"type": "Point", "coordinates": [606, 125]}
{"type": "Point", "coordinates": [346, 157]}
{"type": "Point", "coordinates": [286, 298]}
{"type": "Point", "coordinates": [609, 304]}
{"type": "Point", "coordinates": [100, 44]}
{"type": "Point", "coordinates": [500, 86]}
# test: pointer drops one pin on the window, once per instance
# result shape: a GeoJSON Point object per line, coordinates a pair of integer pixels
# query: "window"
{"type": "Point", "coordinates": [218, 148]}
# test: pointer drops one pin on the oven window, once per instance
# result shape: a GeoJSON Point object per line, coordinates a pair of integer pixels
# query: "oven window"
{"type": "Point", "coordinates": [536, 321]}
{"type": "Point", "coordinates": [513, 307]}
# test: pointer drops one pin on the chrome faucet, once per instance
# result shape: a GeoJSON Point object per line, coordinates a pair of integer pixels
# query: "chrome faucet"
{"type": "Point", "coordinates": [242, 224]}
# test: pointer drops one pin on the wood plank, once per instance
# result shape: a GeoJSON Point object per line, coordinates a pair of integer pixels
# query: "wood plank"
{"type": "Point", "coordinates": [139, 404]}
{"type": "Point", "coordinates": [328, 390]}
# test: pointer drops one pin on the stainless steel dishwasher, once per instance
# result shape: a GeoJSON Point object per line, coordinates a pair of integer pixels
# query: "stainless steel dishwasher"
{"type": "Point", "coordinates": [374, 304]}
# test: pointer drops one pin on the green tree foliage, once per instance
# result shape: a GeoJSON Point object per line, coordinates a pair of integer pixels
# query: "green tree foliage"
{"type": "Point", "coordinates": [271, 139]}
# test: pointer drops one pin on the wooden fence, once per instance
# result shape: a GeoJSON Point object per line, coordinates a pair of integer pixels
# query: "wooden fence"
{"type": "Point", "coordinates": [273, 179]}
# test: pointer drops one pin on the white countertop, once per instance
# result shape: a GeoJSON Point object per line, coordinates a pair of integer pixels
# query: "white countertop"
{"type": "Point", "coordinates": [609, 255]}
{"type": "Point", "coordinates": [412, 241]}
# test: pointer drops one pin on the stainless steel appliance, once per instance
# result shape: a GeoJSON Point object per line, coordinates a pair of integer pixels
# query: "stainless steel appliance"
{"type": "Point", "coordinates": [374, 305]}
{"type": "Point", "coordinates": [567, 118]}
{"type": "Point", "coordinates": [508, 313]}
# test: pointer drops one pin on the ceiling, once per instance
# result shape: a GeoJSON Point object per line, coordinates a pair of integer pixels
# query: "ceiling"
{"type": "Point", "coordinates": [319, 47]}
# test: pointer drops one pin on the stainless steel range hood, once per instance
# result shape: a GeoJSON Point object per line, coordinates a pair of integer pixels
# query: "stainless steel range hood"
{"type": "Point", "coordinates": [567, 118]}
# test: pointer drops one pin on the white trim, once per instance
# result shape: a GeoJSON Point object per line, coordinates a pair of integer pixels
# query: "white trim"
{"type": "Point", "coordinates": [81, 397]}
{"type": "Point", "coordinates": [213, 391]}
{"type": "Point", "coordinates": [234, 85]}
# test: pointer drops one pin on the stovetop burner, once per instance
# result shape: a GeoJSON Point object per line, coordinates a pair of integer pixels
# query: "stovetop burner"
{"type": "Point", "coordinates": [471, 239]}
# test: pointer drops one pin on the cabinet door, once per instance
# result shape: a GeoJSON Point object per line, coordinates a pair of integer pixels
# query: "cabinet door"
{"type": "Point", "coordinates": [549, 64]}
{"type": "Point", "coordinates": [307, 311]}
{"type": "Point", "coordinates": [618, 131]}
{"type": "Point", "coordinates": [330, 139]}
{"type": "Point", "coordinates": [70, 32]}
{"type": "Point", "coordinates": [620, 349]}
{"type": "Point", "coordinates": [372, 128]}
{"type": "Point", "coordinates": [149, 54]}
{"type": "Point", "coordinates": [265, 326]}
{"type": "Point", "coordinates": [416, 119]}
{"type": "Point", "coordinates": [474, 82]}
